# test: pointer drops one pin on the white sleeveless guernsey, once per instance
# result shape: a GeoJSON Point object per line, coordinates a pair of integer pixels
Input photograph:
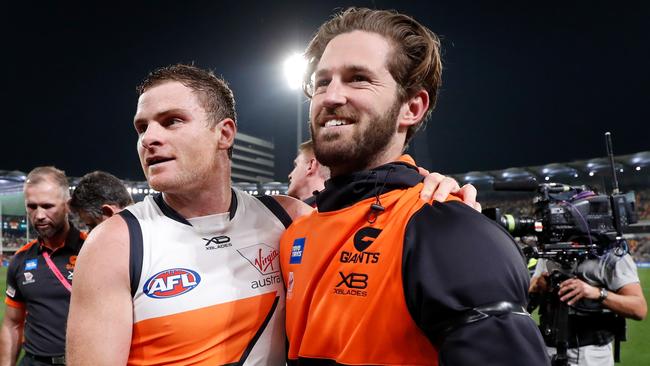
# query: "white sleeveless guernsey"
{"type": "Point", "coordinates": [207, 291]}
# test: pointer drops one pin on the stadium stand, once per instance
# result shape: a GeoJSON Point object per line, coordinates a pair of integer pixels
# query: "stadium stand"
{"type": "Point", "coordinates": [633, 171]}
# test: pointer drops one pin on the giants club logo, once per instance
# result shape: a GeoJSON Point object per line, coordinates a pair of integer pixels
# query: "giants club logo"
{"type": "Point", "coordinates": [171, 283]}
{"type": "Point", "coordinates": [264, 258]}
{"type": "Point", "coordinates": [364, 237]}
{"type": "Point", "coordinates": [362, 240]}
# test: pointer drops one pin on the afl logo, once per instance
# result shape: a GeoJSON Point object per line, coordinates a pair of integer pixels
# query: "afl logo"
{"type": "Point", "coordinates": [170, 283]}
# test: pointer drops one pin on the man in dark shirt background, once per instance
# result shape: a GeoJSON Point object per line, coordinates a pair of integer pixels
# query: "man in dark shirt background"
{"type": "Point", "coordinates": [40, 275]}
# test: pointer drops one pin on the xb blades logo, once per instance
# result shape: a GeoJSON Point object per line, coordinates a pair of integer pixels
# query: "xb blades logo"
{"type": "Point", "coordinates": [217, 242]}
{"type": "Point", "coordinates": [364, 237]}
{"type": "Point", "coordinates": [353, 280]}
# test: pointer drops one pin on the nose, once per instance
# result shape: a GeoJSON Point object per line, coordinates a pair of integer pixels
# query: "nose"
{"type": "Point", "coordinates": [152, 136]}
{"type": "Point", "coordinates": [39, 214]}
{"type": "Point", "coordinates": [335, 94]}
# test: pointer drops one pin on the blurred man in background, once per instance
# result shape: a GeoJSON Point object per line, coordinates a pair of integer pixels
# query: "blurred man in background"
{"type": "Point", "coordinates": [98, 196]}
{"type": "Point", "coordinates": [40, 275]}
{"type": "Point", "coordinates": [308, 175]}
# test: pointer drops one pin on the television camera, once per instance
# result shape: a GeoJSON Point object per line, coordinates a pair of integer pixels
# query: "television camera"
{"type": "Point", "coordinates": [571, 224]}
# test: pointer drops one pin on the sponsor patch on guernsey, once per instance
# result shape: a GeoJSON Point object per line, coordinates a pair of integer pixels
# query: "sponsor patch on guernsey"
{"type": "Point", "coordinates": [31, 264]}
{"type": "Point", "coordinates": [171, 282]}
{"type": "Point", "coordinates": [264, 258]}
{"type": "Point", "coordinates": [297, 249]}
{"type": "Point", "coordinates": [11, 292]}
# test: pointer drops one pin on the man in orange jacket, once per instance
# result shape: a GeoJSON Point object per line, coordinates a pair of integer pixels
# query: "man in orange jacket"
{"type": "Point", "coordinates": [375, 275]}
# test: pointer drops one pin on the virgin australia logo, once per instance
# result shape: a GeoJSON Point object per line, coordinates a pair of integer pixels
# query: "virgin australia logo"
{"type": "Point", "coordinates": [265, 258]}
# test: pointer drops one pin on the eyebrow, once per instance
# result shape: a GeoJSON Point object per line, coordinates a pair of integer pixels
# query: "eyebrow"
{"type": "Point", "coordinates": [160, 115]}
{"type": "Point", "coordinates": [346, 68]}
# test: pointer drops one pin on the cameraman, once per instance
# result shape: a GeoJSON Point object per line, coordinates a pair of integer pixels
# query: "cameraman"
{"type": "Point", "coordinates": [599, 290]}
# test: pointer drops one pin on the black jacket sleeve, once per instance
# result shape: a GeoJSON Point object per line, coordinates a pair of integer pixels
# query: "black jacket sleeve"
{"type": "Point", "coordinates": [456, 259]}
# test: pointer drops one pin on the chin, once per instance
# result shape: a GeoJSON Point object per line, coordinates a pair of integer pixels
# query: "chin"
{"type": "Point", "coordinates": [159, 184]}
{"type": "Point", "coordinates": [47, 233]}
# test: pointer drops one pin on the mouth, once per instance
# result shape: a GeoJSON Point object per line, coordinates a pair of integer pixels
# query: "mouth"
{"type": "Point", "coordinates": [336, 122]}
{"type": "Point", "coordinates": [155, 160]}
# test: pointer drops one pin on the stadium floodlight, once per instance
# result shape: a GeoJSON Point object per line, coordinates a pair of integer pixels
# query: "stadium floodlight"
{"type": "Point", "coordinates": [294, 68]}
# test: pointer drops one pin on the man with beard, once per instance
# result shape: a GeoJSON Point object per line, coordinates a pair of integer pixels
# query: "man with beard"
{"type": "Point", "coordinates": [190, 275]}
{"type": "Point", "coordinates": [375, 275]}
{"type": "Point", "coordinates": [40, 275]}
{"type": "Point", "coordinates": [308, 175]}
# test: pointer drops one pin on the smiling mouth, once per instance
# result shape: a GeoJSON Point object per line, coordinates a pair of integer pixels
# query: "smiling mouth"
{"type": "Point", "coordinates": [336, 122]}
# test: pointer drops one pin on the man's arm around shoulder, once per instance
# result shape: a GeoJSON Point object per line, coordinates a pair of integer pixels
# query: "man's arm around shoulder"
{"type": "Point", "coordinates": [294, 207]}
{"type": "Point", "coordinates": [101, 307]}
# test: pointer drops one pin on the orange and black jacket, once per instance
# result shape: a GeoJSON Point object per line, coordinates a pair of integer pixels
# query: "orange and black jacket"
{"type": "Point", "coordinates": [393, 283]}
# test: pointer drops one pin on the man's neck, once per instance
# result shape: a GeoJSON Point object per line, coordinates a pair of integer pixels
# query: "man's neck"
{"type": "Point", "coordinates": [201, 202]}
{"type": "Point", "coordinates": [382, 158]}
{"type": "Point", "coordinates": [316, 184]}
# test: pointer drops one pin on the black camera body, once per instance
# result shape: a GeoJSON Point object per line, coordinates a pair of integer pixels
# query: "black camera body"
{"type": "Point", "coordinates": [570, 222]}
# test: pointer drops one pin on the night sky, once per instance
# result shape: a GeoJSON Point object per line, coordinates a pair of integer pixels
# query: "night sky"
{"type": "Point", "coordinates": [525, 83]}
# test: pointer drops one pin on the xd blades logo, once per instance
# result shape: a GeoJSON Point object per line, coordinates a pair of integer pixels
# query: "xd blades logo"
{"type": "Point", "coordinates": [217, 242]}
{"type": "Point", "coordinates": [171, 283]}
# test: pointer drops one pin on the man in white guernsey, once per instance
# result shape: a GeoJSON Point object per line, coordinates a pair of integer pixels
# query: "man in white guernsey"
{"type": "Point", "coordinates": [189, 276]}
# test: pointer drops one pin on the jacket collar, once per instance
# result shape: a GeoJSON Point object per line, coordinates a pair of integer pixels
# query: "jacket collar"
{"type": "Point", "coordinates": [346, 190]}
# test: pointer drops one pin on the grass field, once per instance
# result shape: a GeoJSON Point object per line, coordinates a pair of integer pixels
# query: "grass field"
{"type": "Point", "coordinates": [634, 352]}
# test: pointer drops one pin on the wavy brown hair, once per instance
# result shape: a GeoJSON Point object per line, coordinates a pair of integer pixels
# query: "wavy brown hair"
{"type": "Point", "coordinates": [415, 62]}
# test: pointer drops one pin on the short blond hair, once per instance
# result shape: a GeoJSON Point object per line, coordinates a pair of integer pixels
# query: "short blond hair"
{"type": "Point", "coordinates": [51, 174]}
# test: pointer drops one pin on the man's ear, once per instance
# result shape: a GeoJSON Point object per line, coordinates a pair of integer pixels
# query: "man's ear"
{"type": "Point", "coordinates": [312, 166]}
{"type": "Point", "coordinates": [414, 110]}
{"type": "Point", "coordinates": [228, 129]}
{"type": "Point", "coordinates": [109, 210]}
